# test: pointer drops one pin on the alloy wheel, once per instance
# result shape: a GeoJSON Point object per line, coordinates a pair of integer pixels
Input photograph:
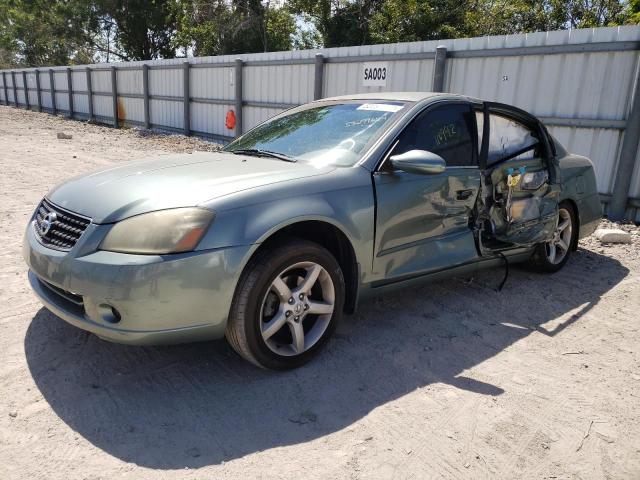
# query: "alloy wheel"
{"type": "Point", "coordinates": [558, 247]}
{"type": "Point", "coordinates": [297, 308]}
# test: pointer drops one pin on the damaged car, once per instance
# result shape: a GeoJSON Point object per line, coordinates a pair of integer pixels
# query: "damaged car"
{"type": "Point", "coordinates": [270, 241]}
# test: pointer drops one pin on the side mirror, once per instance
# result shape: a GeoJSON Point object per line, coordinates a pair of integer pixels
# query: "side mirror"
{"type": "Point", "coordinates": [418, 161]}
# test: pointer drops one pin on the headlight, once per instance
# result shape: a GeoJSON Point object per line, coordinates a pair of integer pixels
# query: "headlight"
{"type": "Point", "coordinates": [164, 231]}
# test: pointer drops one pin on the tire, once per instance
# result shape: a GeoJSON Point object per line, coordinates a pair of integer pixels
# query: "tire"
{"type": "Point", "coordinates": [542, 259]}
{"type": "Point", "coordinates": [264, 326]}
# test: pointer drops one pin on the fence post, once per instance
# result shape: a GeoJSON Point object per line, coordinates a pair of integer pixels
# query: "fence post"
{"type": "Point", "coordinates": [318, 78]}
{"type": "Point", "coordinates": [70, 92]}
{"type": "Point", "coordinates": [186, 110]}
{"type": "Point", "coordinates": [114, 96]}
{"type": "Point", "coordinates": [626, 162]}
{"type": "Point", "coordinates": [4, 85]}
{"type": "Point", "coordinates": [439, 65]}
{"type": "Point", "coordinates": [145, 92]}
{"type": "Point", "coordinates": [52, 89]}
{"type": "Point", "coordinates": [90, 95]}
{"type": "Point", "coordinates": [26, 90]}
{"type": "Point", "coordinates": [238, 96]}
{"type": "Point", "coordinates": [38, 91]}
{"type": "Point", "coordinates": [15, 89]}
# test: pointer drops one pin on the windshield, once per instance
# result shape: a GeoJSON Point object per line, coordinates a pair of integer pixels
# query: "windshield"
{"type": "Point", "coordinates": [325, 135]}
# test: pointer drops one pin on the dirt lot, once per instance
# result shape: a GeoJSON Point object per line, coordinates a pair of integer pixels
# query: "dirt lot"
{"type": "Point", "coordinates": [451, 380]}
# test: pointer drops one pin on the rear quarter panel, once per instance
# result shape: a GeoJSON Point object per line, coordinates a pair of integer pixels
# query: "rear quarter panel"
{"type": "Point", "coordinates": [579, 185]}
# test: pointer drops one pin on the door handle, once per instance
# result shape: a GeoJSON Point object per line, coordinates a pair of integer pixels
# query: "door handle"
{"type": "Point", "coordinates": [464, 194]}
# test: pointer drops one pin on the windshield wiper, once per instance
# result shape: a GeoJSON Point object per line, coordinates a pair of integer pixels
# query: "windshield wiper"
{"type": "Point", "coordinates": [264, 153]}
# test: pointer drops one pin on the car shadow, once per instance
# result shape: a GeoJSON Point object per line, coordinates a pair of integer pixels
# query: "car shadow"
{"type": "Point", "coordinates": [200, 404]}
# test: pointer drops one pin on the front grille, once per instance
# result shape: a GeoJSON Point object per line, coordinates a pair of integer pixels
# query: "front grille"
{"type": "Point", "coordinates": [58, 228]}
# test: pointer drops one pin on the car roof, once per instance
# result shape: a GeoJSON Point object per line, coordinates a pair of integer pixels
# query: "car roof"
{"type": "Point", "coordinates": [400, 96]}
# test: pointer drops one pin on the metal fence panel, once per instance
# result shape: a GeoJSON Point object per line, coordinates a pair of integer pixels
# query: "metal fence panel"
{"type": "Point", "coordinates": [131, 110]}
{"type": "Point", "coordinates": [102, 107]}
{"type": "Point", "coordinates": [600, 145]}
{"type": "Point", "coordinates": [10, 95]}
{"type": "Point", "coordinates": [60, 83]}
{"type": "Point", "coordinates": [579, 81]}
{"type": "Point", "coordinates": [79, 80]}
{"type": "Point", "coordinates": [32, 94]}
{"type": "Point", "coordinates": [31, 79]}
{"type": "Point", "coordinates": [278, 83]}
{"type": "Point", "coordinates": [572, 85]}
{"type": "Point", "coordinates": [20, 88]}
{"type": "Point", "coordinates": [130, 81]}
{"type": "Point", "coordinates": [212, 83]}
{"type": "Point", "coordinates": [101, 82]}
{"type": "Point", "coordinates": [46, 101]}
{"type": "Point", "coordinates": [208, 118]}
{"type": "Point", "coordinates": [166, 82]}
{"type": "Point", "coordinates": [166, 113]}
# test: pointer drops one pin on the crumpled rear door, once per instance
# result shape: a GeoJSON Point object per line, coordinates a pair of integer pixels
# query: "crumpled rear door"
{"type": "Point", "coordinates": [520, 186]}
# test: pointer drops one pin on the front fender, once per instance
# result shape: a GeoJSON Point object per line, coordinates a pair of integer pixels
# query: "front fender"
{"type": "Point", "coordinates": [344, 200]}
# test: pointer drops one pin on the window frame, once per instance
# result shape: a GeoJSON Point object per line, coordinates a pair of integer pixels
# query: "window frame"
{"type": "Point", "coordinates": [383, 164]}
{"type": "Point", "coordinates": [517, 115]}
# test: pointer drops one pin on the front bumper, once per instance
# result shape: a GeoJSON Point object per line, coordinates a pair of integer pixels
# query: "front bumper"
{"type": "Point", "coordinates": [159, 299]}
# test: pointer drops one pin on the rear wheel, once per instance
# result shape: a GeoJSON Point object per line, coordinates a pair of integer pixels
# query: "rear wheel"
{"type": "Point", "coordinates": [551, 256]}
{"type": "Point", "coordinates": [287, 303]}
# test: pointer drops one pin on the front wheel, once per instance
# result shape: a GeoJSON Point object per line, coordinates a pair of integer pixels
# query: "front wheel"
{"type": "Point", "coordinates": [287, 304]}
{"type": "Point", "coordinates": [551, 256]}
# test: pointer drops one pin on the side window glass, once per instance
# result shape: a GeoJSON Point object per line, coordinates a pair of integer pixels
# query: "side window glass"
{"type": "Point", "coordinates": [445, 131]}
{"type": "Point", "coordinates": [508, 137]}
{"type": "Point", "coordinates": [480, 126]}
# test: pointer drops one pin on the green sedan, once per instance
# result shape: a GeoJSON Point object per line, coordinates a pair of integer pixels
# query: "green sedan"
{"type": "Point", "coordinates": [270, 241]}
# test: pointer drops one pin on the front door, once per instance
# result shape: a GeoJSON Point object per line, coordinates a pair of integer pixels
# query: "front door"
{"type": "Point", "coordinates": [422, 221]}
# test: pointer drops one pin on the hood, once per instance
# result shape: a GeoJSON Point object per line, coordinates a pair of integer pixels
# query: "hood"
{"type": "Point", "coordinates": [172, 181]}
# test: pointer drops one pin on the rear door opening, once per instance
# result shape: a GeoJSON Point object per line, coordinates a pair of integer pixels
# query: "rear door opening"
{"type": "Point", "coordinates": [518, 201]}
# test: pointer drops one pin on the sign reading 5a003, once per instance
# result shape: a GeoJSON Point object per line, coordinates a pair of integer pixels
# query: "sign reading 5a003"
{"type": "Point", "coordinates": [374, 74]}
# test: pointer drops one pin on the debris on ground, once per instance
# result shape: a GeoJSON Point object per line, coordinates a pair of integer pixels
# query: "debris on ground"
{"type": "Point", "coordinates": [612, 235]}
{"type": "Point", "coordinates": [64, 136]}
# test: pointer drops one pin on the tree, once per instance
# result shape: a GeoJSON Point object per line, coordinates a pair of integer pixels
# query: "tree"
{"type": "Point", "coordinates": [218, 27]}
{"type": "Point", "coordinates": [339, 22]}
{"type": "Point", "coordinates": [413, 20]}
{"type": "Point", "coordinates": [632, 14]}
{"type": "Point", "coordinates": [43, 32]}
{"type": "Point", "coordinates": [588, 13]}
{"type": "Point", "coordinates": [64, 32]}
{"type": "Point", "coordinates": [142, 29]}
{"type": "Point", "coordinates": [500, 17]}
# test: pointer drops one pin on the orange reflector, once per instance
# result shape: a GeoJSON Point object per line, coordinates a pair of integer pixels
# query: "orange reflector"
{"type": "Point", "coordinates": [230, 121]}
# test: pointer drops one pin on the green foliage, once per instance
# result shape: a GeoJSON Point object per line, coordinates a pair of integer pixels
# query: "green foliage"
{"type": "Point", "coordinates": [339, 22]}
{"type": "Point", "coordinates": [632, 13]}
{"type": "Point", "coordinates": [218, 27]}
{"type": "Point", "coordinates": [142, 30]}
{"type": "Point", "coordinates": [62, 32]}
{"type": "Point", "coordinates": [412, 20]}
{"type": "Point", "coordinates": [42, 32]}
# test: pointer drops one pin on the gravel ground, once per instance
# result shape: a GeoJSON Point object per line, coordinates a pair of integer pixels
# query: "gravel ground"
{"type": "Point", "coordinates": [450, 380]}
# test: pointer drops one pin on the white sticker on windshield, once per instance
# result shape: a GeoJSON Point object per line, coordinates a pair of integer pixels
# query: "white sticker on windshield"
{"type": "Point", "coordinates": [380, 107]}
